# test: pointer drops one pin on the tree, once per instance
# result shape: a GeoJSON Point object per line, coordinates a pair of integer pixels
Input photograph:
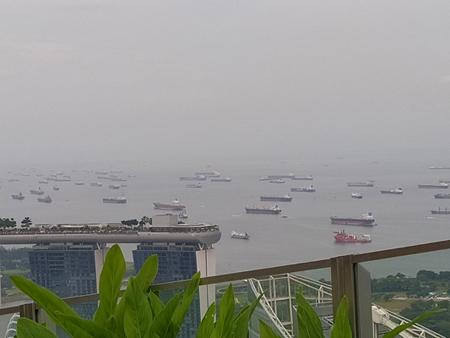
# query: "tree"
{"type": "Point", "coordinates": [26, 222]}
{"type": "Point", "coordinates": [7, 223]}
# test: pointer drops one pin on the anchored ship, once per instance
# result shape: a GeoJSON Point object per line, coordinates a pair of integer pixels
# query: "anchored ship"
{"type": "Point", "coordinates": [397, 191]}
{"type": "Point", "coordinates": [366, 219]}
{"type": "Point", "coordinates": [46, 199]}
{"type": "Point", "coordinates": [304, 189]}
{"type": "Point", "coordinates": [194, 185]}
{"type": "Point", "coordinates": [174, 206]}
{"type": "Point", "coordinates": [18, 197]}
{"type": "Point", "coordinates": [119, 200]}
{"type": "Point", "coordinates": [285, 198]}
{"type": "Point", "coordinates": [263, 209]}
{"type": "Point", "coordinates": [440, 212]}
{"type": "Point", "coordinates": [369, 183]}
{"type": "Point", "coordinates": [356, 195]}
{"type": "Point", "coordinates": [193, 178]}
{"type": "Point", "coordinates": [37, 192]}
{"type": "Point", "coordinates": [442, 195]}
{"type": "Point", "coordinates": [342, 237]}
{"type": "Point", "coordinates": [240, 235]}
{"type": "Point", "coordinates": [225, 179]}
{"type": "Point", "coordinates": [304, 178]}
{"type": "Point", "coordinates": [434, 186]}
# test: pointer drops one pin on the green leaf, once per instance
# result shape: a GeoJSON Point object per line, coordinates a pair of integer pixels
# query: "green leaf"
{"type": "Point", "coordinates": [138, 315]}
{"type": "Point", "coordinates": [182, 309]}
{"type": "Point", "coordinates": [224, 324]}
{"type": "Point", "coordinates": [155, 302]}
{"type": "Point", "coordinates": [49, 302]}
{"type": "Point", "coordinates": [147, 273]}
{"type": "Point", "coordinates": [341, 328]}
{"type": "Point", "coordinates": [265, 331]}
{"type": "Point", "coordinates": [403, 327]}
{"type": "Point", "coordinates": [206, 326]}
{"type": "Point", "coordinates": [309, 325]}
{"type": "Point", "coordinates": [26, 328]}
{"type": "Point", "coordinates": [90, 328]}
{"type": "Point", "coordinates": [109, 286]}
{"type": "Point", "coordinates": [240, 325]}
{"type": "Point", "coordinates": [162, 324]}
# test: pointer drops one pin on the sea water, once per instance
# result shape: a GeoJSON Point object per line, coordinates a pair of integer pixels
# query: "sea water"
{"type": "Point", "coordinates": [304, 233]}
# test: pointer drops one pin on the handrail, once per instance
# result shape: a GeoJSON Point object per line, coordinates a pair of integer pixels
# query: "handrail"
{"type": "Point", "coordinates": [298, 267]}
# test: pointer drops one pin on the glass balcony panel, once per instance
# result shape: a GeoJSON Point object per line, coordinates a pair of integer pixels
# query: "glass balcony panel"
{"type": "Point", "coordinates": [404, 287]}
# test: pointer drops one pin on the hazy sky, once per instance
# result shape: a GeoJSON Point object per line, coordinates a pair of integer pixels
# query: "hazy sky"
{"type": "Point", "coordinates": [112, 79]}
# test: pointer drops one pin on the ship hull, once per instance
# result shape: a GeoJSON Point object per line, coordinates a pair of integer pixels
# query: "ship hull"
{"type": "Point", "coordinates": [352, 221]}
{"type": "Point", "coordinates": [111, 200]}
{"type": "Point", "coordinates": [261, 211]}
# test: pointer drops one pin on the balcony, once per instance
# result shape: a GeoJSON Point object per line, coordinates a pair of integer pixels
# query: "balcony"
{"type": "Point", "coordinates": [324, 283]}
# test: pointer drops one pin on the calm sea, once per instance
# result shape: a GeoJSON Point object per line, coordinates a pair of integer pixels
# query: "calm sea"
{"type": "Point", "coordinates": [306, 234]}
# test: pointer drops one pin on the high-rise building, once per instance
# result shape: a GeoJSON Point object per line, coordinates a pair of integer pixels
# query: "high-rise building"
{"type": "Point", "coordinates": [68, 270]}
{"type": "Point", "coordinates": [179, 259]}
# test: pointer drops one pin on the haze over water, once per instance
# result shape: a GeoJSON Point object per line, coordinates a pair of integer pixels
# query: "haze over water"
{"type": "Point", "coordinates": [306, 234]}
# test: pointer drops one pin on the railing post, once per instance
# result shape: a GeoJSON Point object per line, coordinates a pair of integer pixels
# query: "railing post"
{"type": "Point", "coordinates": [28, 311]}
{"type": "Point", "coordinates": [343, 283]}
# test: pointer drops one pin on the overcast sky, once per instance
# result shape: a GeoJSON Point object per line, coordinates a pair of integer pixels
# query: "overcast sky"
{"type": "Point", "coordinates": [112, 79]}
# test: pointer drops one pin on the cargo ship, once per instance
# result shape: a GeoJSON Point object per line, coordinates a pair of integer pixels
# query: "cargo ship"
{"type": "Point", "coordinates": [342, 237]}
{"type": "Point", "coordinates": [285, 198]}
{"type": "Point", "coordinates": [46, 199]}
{"type": "Point", "coordinates": [174, 206]}
{"type": "Point", "coordinates": [263, 209]}
{"type": "Point", "coordinates": [440, 212]}
{"type": "Point", "coordinates": [366, 219]}
{"type": "Point", "coordinates": [304, 178]}
{"type": "Point", "coordinates": [193, 178]}
{"type": "Point", "coordinates": [304, 189]}
{"type": "Point", "coordinates": [434, 186]}
{"type": "Point", "coordinates": [240, 235]}
{"type": "Point", "coordinates": [397, 191]}
{"type": "Point", "coordinates": [224, 179]}
{"type": "Point", "coordinates": [442, 195]}
{"type": "Point", "coordinates": [361, 184]}
{"type": "Point", "coordinates": [18, 197]}
{"type": "Point", "coordinates": [37, 192]}
{"type": "Point", "coordinates": [272, 177]}
{"type": "Point", "coordinates": [119, 200]}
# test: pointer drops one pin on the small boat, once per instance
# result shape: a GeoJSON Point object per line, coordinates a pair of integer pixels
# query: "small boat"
{"type": "Point", "coordinates": [304, 189]}
{"type": "Point", "coordinates": [46, 199]}
{"type": "Point", "coordinates": [277, 180]}
{"type": "Point", "coordinates": [442, 195]}
{"type": "Point", "coordinates": [342, 237]}
{"type": "Point", "coordinates": [440, 212]}
{"type": "Point", "coordinates": [240, 235]}
{"type": "Point", "coordinates": [194, 185]}
{"type": "Point", "coordinates": [183, 214]}
{"type": "Point", "coordinates": [37, 192]}
{"type": "Point", "coordinates": [18, 197]}
{"type": "Point", "coordinates": [441, 185]}
{"type": "Point", "coordinates": [366, 219]}
{"type": "Point", "coordinates": [356, 195]}
{"type": "Point", "coordinates": [397, 191]}
{"type": "Point", "coordinates": [55, 187]}
{"type": "Point", "coordinates": [302, 178]}
{"type": "Point", "coordinates": [114, 186]}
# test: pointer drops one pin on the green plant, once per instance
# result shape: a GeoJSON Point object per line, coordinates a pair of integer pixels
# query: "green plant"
{"type": "Point", "coordinates": [139, 313]}
{"type": "Point", "coordinates": [309, 325]}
